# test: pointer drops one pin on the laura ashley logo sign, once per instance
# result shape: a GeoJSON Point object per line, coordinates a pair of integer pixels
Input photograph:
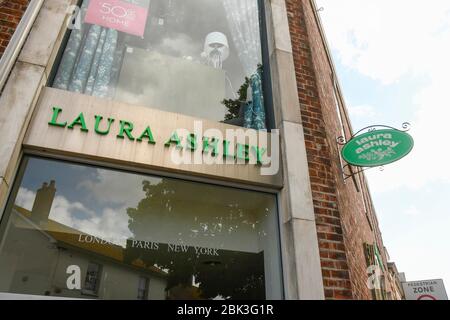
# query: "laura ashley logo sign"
{"type": "Point", "coordinates": [237, 146]}
{"type": "Point", "coordinates": [377, 148]}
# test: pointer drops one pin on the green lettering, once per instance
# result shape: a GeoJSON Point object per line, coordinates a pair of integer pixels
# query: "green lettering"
{"type": "Point", "coordinates": [243, 152]}
{"type": "Point", "coordinates": [192, 142]}
{"type": "Point", "coordinates": [213, 143]}
{"type": "Point", "coordinates": [98, 119]}
{"type": "Point", "coordinates": [259, 154]}
{"type": "Point", "coordinates": [79, 121]}
{"type": "Point", "coordinates": [148, 135]}
{"type": "Point", "coordinates": [226, 147]}
{"type": "Point", "coordinates": [53, 122]}
{"type": "Point", "coordinates": [126, 127]}
{"type": "Point", "coordinates": [174, 139]}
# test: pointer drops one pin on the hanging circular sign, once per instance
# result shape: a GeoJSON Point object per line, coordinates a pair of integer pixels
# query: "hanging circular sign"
{"type": "Point", "coordinates": [377, 148]}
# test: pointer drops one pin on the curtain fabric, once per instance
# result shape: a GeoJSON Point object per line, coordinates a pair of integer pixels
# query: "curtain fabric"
{"type": "Point", "coordinates": [243, 20]}
{"type": "Point", "coordinates": [255, 115]}
{"type": "Point", "coordinates": [88, 60]}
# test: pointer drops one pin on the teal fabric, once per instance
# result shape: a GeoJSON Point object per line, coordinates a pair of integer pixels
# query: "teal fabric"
{"type": "Point", "coordinates": [248, 115]}
{"type": "Point", "coordinates": [83, 67]}
{"type": "Point", "coordinates": [87, 63]}
{"type": "Point", "coordinates": [95, 64]}
{"type": "Point", "coordinates": [117, 65]}
{"type": "Point", "coordinates": [71, 53]}
{"type": "Point", "coordinates": [104, 71]}
{"type": "Point", "coordinates": [68, 60]}
{"type": "Point", "coordinates": [255, 115]}
{"type": "Point", "coordinates": [88, 60]}
{"type": "Point", "coordinates": [259, 114]}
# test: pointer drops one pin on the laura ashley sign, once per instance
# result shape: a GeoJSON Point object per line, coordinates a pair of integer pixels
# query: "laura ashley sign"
{"type": "Point", "coordinates": [377, 148]}
{"type": "Point", "coordinates": [124, 129]}
{"type": "Point", "coordinates": [70, 124]}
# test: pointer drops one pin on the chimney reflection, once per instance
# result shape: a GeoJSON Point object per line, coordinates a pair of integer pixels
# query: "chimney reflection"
{"type": "Point", "coordinates": [43, 202]}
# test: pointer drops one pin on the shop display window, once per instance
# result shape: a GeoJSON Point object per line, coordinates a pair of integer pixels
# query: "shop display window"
{"type": "Point", "coordinates": [196, 57]}
{"type": "Point", "coordinates": [78, 231]}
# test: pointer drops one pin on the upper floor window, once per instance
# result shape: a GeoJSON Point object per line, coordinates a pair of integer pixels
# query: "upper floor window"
{"type": "Point", "coordinates": [92, 280]}
{"type": "Point", "coordinates": [197, 57]}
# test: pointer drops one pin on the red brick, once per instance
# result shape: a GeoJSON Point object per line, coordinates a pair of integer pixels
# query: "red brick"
{"type": "Point", "coordinates": [11, 12]}
{"type": "Point", "coordinates": [342, 227]}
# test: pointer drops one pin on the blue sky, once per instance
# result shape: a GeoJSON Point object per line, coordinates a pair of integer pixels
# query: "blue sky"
{"type": "Point", "coordinates": [392, 59]}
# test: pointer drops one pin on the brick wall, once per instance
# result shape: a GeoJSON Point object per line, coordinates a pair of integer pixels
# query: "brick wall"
{"type": "Point", "coordinates": [11, 12]}
{"type": "Point", "coordinates": [345, 217]}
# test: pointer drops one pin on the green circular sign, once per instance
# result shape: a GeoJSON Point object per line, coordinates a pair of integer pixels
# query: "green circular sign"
{"type": "Point", "coordinates": [377, 148]}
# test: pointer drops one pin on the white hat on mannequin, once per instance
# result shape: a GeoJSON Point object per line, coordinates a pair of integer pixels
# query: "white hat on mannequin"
{"type": "Point", "coordinates": [216, 49]}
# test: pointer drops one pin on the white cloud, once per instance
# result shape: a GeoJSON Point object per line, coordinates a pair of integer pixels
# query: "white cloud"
{"type": "Point", "coordinates": [116, 187]}
{"type": "Point", "coordinates": [25, 198]}
{"type": "Point", "coordinates": [412, 211]}
{"type": "Point", "coordinates": [386, 39]}
{"type": "Point", "coordinates": [178, 45]}
{"type": "Point", "coordinates": [389, 41]}
{"type": "Point", "coordinates": [109, 224]}
{"type": "Point", "coordinates": [362, 111]}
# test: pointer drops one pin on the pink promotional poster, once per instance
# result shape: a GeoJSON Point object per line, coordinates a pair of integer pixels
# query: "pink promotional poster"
{"type": "Point", "coordinates": [119, 15]}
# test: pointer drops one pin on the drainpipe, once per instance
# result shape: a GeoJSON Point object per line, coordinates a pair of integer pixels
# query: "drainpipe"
{"type": "Point", "coordinates": [18, 39]}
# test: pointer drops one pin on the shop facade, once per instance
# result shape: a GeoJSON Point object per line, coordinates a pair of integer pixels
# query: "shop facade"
{"type": "Point", "coordinates": [178, 150]}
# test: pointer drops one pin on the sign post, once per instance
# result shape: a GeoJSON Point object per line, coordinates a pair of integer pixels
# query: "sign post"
{"type": "Point", "coordinates": [425, 290]}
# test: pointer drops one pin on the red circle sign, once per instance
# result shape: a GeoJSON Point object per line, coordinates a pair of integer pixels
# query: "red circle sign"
{"type": "Point", "coordinates": [426, 297]}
